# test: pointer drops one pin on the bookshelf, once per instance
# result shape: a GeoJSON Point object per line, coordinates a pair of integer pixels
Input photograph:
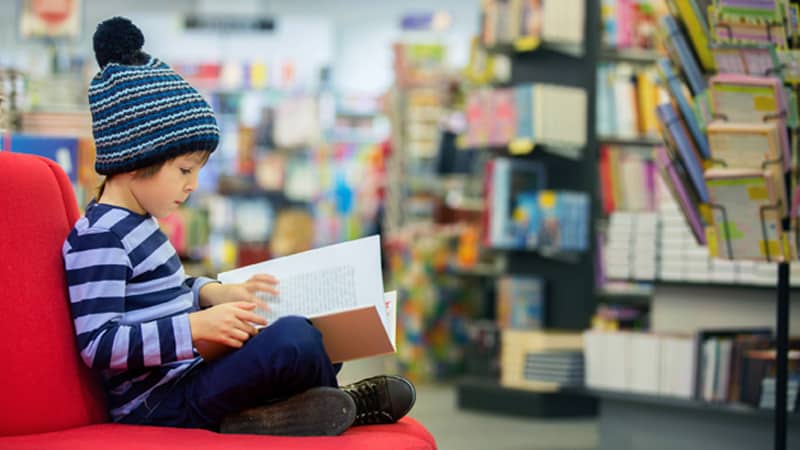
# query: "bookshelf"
{"type": "Point", "coordinates": [718, 294]}
{"type": "Point", "coordinates": [569, 278]}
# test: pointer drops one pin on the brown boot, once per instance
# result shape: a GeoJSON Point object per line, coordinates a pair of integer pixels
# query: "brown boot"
{"type": "Point", "coordinates": [382, 399]}
{"type": "Point", "coordinates": [320, 411]}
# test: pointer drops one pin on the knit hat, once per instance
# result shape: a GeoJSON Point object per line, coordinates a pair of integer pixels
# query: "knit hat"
{"type": "Point", "coordinates": [142, 111]}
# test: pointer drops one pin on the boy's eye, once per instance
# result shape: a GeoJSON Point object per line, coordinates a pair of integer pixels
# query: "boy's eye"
{"type": "Point", "coordinates": [186, 171]}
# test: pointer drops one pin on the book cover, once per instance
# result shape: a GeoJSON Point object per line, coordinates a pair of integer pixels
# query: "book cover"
{"type": "Point", "coordinates": [677, 184]}
{"type": "Point", "coordinates": [747, 226]}
{"type": "Point", "coordinates": [520, 302]}
{"type": "Point", "coordinates": [675, 136]}
{"type": "Point", "coordinates": [523, 103]}
{"type": "Point", "coordinates": [678, 94]}
{"type": "Point", "coordinates": [750, 146]}
{"type": "Point", "coordinates": [695, 21]}
{"type": "Point", "coordinates": [505, 183]}
{"type": "Point", "coordinates": [676, 42]}
{"type": "Point", "coordinates": [744, 98]}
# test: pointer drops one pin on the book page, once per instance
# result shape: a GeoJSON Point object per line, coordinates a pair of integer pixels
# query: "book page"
{"type": "Point", "coordinates": [329, 279]}
{"type": "Point", "coordinates": [313, 293]}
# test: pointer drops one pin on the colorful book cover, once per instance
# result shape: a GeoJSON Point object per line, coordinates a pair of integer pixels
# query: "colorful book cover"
{"type": "Point", "coordinates": [520, 302]}
{"type": "Point", "coordinates": [747, 225]}
{"type": "Point", "coordinates": [749, 146]}
{"type": "Point", "coordinates": [678, 94]}
{"type": "Point", "coordinates": [676, 42]}
{"type": "Point", "coordinates": [503, 114]}
{"type": "Point", "coordinates": [744, 98]}
{"type": "Point", "coordinates": [677, 185]}
{"type": "Point", "coordinates": [508, 180]}
{"type": "Point", "coordinates": [523, 102]}
{"type": "Point", "coordinates": [675, 136]}
{"type": "Point", "coordinates": [694, 19]}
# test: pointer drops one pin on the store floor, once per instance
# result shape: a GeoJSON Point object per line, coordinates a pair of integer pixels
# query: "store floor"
{"type": "Point", "coordinates": [455, 429]}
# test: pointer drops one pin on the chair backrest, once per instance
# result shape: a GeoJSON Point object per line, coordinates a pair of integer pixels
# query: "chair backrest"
{"type": "Point", "coordinates": [44, 385]}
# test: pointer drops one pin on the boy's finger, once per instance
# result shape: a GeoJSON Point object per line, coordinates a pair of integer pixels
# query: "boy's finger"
{"type": "Point", "coordinates": [245, 305]}
{"type": "Point", "coordinates": [260, 304]}
{"type": "Point", "coordinates": [265, 278]}
{"type": "Point", "coordinates": [260, 286]}
{"type": "Point", "coordinates": [247, 316]}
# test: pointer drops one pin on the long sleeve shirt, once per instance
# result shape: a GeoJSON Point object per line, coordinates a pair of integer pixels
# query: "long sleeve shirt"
{"type": "Point", "coordinates": [130, 301]}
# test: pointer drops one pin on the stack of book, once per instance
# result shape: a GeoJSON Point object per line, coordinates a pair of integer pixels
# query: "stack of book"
{"type": "Point", "coordinates": [656, 364]}
{"type": "Point", "coordinates": [60, 123]}
{"type": "Point", "coordinates": [629, 252]}
{"type": "Point", "coordinates": [626, 101]}
{"type": "Point", "coordinates": [524, 24]}
{"type": "Point", "coordinates": [627, 180]}
{"type": "Point", "coordinates": [527, 114]}
{"type": "Point", "coordinates": [541, 360]}
{"type": "Point", "coordinates": [631, 24]}
{"type": "Point", "coordinates": [768, 394]}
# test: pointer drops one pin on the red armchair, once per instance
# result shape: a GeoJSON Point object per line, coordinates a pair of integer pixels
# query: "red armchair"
{"type": "Point", "coordinates": [49, 399]}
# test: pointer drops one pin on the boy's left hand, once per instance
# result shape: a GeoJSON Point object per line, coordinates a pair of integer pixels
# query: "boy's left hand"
{"type": "Point", "coordinates": [215, 293]}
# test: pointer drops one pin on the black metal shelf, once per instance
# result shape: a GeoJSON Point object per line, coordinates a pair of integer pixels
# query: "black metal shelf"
{"type": "Point", "coordinates": [485, 394]}
{"type": "Point", "coordinates": [629, 55]}
{"type": "Point", "coordinates": [661, 401]}
{"type": "Point", "coordinates": [640, 141]}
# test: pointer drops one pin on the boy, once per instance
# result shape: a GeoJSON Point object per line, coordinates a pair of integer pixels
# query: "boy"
{"type": "Point", "coordinates": [142, 323]}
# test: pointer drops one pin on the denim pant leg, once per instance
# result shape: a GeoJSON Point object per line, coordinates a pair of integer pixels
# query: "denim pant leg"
{"type": "Point", "coordinates": [284, 359]}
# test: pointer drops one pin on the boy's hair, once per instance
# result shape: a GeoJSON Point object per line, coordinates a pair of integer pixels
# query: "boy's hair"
{"type": "Point", "coordinates": [143, 112]}
{"type": "Point", "coordinates": [151, 170]}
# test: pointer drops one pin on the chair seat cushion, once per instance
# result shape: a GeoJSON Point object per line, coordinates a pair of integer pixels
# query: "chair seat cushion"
{"type": "Point", "coordinates": [407, 434]}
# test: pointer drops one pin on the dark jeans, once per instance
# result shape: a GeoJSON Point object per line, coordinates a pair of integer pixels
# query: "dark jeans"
{"type": "Point", "coordinates": [284, 359]}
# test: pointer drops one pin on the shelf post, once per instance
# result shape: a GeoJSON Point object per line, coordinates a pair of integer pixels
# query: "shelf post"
{"type": "Point", "coordinates": [781, 355]}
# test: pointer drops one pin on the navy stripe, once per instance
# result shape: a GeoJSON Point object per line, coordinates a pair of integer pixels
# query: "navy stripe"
{"type": "Point", "coordinates": [155, 240]}
{"type": "Point", "coordinates": [190, 282]}
{"type": "Point", "coordinates": [135, 348]}
{"type": "Point", "coordinates": [97, 273]}
{"type": "Point", "coordinates": [93, 241]}
{"type": "Point", "coordinates": [98, 305]}
{"type": "Point", "coordinates": [166, 337]}
{"type": "Point", "coordinates": [169, 268]}
{"type": "Point", "coordinates": [134, 302]}
{"type": "Point", "coordinates": [102, 356]}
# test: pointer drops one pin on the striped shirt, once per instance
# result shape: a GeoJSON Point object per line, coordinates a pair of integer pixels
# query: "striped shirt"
{"type": "Point", "coordinates": [130, 300]}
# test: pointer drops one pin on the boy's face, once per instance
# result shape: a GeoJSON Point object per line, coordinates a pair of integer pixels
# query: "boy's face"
{"type": "Point", "coordinates": [162, 194]}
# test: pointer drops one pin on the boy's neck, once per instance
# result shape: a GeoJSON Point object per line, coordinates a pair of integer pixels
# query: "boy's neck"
{"type": "Point", "coordinates": [117, 193]}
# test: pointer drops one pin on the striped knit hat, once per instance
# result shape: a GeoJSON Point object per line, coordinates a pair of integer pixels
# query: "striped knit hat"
{"type": "Point", "coordinates": [142, 111]}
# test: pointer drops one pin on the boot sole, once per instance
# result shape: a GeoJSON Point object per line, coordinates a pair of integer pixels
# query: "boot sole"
{"type": "Point", "coordinates": [321, 411]}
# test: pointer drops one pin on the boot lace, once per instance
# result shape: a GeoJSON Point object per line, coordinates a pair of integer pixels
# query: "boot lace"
{"type": "Point", "coordinates": [368, 405]}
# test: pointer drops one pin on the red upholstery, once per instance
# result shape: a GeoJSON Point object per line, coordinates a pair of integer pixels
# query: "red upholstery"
{"type": "Point", "coordinates": [50, 400]}
{"type": "Point", "coordinates": [406, 435]}
{"type": "Point", "coordinates": [43, 379]}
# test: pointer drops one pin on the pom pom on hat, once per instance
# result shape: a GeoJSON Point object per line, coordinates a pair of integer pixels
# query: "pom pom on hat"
{"type": "Point", "coordinates": [118, 40]}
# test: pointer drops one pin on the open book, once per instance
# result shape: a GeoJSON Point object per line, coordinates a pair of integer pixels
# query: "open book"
{"type": "Point", "coordinates": [338, 287]}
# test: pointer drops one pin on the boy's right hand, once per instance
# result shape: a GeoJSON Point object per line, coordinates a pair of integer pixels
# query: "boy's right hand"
{"type": "Point", "coordinates": [229, 324]}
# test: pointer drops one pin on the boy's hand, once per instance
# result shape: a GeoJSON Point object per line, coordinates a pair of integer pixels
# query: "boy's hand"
{"type": "Point", "coordinates": [216, 294]}
{"type": "Point", "coordinates": [229, 324]}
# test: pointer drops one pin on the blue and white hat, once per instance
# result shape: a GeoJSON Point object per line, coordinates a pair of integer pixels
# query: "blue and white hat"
{"type": "Point", "coordinates": [142, 111]}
